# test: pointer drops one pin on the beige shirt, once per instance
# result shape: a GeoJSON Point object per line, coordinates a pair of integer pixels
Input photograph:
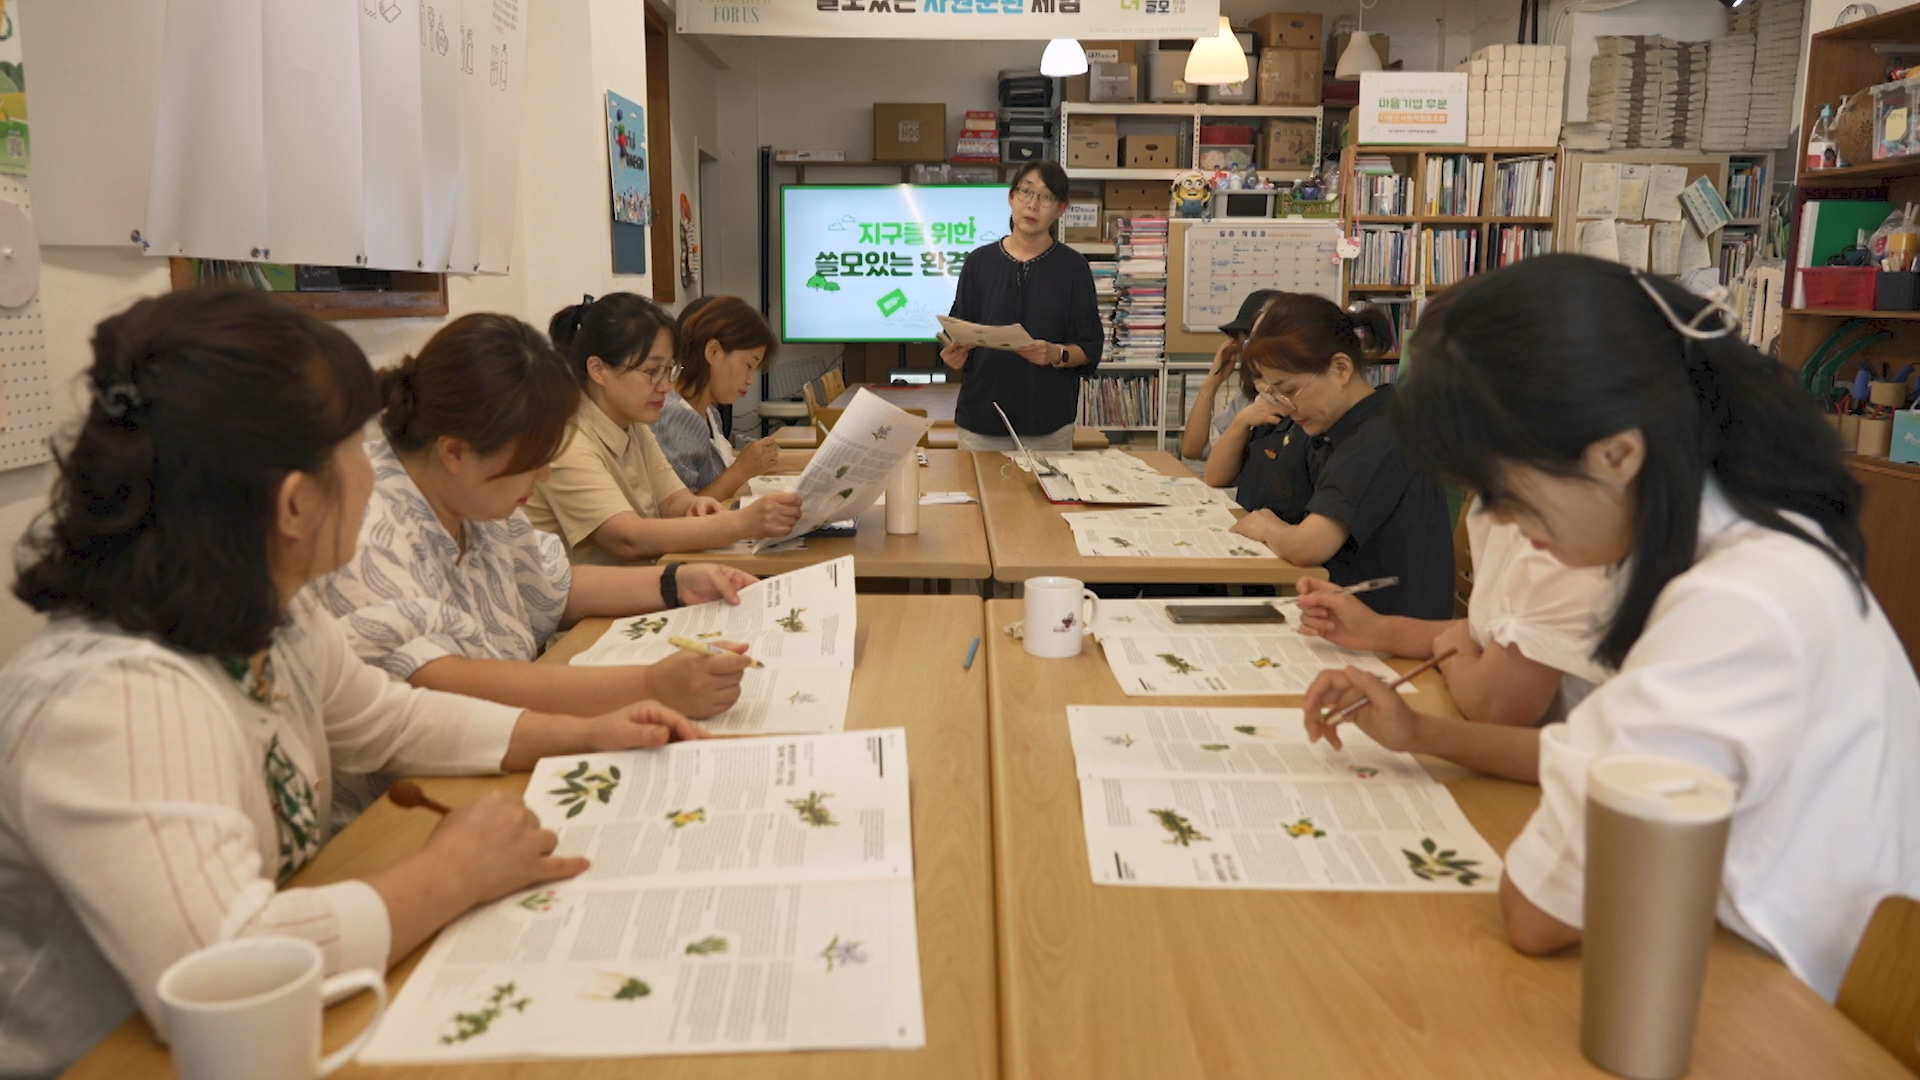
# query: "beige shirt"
{"type": "Point", "coordinates": [603, 470]}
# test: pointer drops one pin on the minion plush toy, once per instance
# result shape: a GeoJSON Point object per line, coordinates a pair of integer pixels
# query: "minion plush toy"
{"type": "Point", "coordinates": [1191, 194]}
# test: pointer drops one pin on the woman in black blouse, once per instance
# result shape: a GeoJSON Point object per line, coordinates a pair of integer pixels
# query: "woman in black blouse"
{"type": "Point", "coordinates": [1031, 279]}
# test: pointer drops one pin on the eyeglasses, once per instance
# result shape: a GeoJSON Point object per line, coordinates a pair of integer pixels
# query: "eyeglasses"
{"type": "Point", "coordinates": [1286, 402]}
{"type": "Point", "coordinates": [663, 375]}
{"type": "Point", "coordinates": [1036, 196]}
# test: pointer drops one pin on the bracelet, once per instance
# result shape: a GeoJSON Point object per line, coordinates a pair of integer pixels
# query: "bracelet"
{"type": "Point", "coordinates": [669, 588]}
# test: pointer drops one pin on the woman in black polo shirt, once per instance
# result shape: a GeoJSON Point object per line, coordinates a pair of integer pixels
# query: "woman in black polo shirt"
{"type": "Point", "coordinates": [1370, 513]}
{"type": "Point", "coordinates": [1033, 280]}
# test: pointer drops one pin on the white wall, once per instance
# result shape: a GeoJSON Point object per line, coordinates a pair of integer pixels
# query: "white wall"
{"type": "Point", "coordinates": [693, 83]}
{"type": "Point", "coordinates": [576, 50]}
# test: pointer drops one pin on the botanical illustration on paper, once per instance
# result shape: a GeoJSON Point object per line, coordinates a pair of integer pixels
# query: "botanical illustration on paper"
{"type": "Point", "coordinates": [1262, 662]}
{"type": "Point", "coordinates": [1183, 830]}
{"type": "Point", "coordinates": [813, 809]}
{"type": "Point", "coordinates": [841, 953]}
{"type": "Point", "coordinates": [801, 697]}
{"type": "Point", "coordinates": [708, 636]}
{"type": "Point", "coordinates": [1364, 772]}
{"type": "Point", "coordinates": [1245, 553]}
{"type": "Point", "coordinates": [1179, 665]}
{"type": "Point", "coordinates": [841, 471]}
{"type": "Point", "coordinates": [539, 901]}
{"type": "Point", "coordinates": [468, 1025]}
{"type": "Point", "coordinates": [1259, 731]}
{"type": "Point", "coordinates": [1120, 740]}
{"type": "Point", "coordinates": [584, 786]}
{"type": "Point", "coordinates": [1215, 746]}
{"type": "Point", "coordinates": [1305, 827]}
{"type": "Point", "coordinates": [707, 946]}
{"type": "Point", "coordinates": [1119, 541]}
{"type": "Point", "coordinates": [680, 819]}
{"type": "Point", "coordinates": [1433, 864]}
{"type": "Point", "coordinates": [640, 628]}
{"type": "Point", "coordinates": [880, 433]}
{"type": "Point", "coordinates": [843, 494]}
{"type": "Point", "coordinates": [790, 622]}
{"type": "Point", "coordinates": [613, 986]}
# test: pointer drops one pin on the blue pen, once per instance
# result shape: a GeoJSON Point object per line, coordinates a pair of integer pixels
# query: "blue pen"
{"type": "Point", "coordinates": [972, 650]}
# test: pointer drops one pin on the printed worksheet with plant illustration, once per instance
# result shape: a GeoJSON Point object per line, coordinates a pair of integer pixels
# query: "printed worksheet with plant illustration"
{"type": "Point", "coordinates": [1195, 531]}
{"type": "Point", "coordinates": [799, 624]}
{"type": "Point", "coordinates": [1153, 656]}
{"type": "Point", "coordinates": [747, 894]}
{"type": "Point", "coordinates": [854, 462]}
{"type": "Point", "coordinates": [1238, 799]}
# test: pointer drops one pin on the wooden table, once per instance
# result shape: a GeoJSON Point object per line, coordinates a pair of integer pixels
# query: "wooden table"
{"type": "Point", "coordinates": [1029, 537]}
{"type": "Point", "coordinates": [1114, 982]}
{"type": "Point", "coordinates": [909, 649]}
{"type": "Point", "coordinates": [951, 543]}
{"type": "Point", "coordinates": [943, 436]}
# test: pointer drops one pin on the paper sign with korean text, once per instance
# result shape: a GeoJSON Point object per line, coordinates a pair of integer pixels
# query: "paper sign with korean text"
{"type": "Point", "coordinates": [1401, 108]}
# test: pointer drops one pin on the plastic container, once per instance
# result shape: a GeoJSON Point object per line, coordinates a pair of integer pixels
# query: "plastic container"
{"type": "Point", "coordinates": [1821, 152]}
{"type": "Point", "coordinates": [1893, 114]}
{"type": "Point", "coordinates": [1840, 288]}
{"type": "Point", "coordinates": [1226, 135]}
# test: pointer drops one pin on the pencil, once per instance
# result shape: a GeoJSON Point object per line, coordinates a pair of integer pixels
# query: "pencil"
{"type": "Point", "coordinates": [1428, 666]}
{"type": "Point", "coordinates": [408, 794]}
{"type": "Point", "coordinates": [971, 651]}
{"type": "Point", "coordinates": [705, 649]}
{"type": "Point", "coordinates": [1349, 590]}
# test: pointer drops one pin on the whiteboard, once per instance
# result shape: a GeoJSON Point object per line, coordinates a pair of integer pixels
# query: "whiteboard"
{"type": "Point", "coordinates": [1226, 260]}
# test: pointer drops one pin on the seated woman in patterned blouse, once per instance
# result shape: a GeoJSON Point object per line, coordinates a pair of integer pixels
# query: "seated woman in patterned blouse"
{"type": "Point", "coordinates": [166, 740]}
{"type": "Point", "coordinates": [452, 588]}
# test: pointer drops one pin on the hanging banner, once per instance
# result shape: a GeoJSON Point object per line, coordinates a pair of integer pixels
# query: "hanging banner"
{"type": "Point", "coordinates": [954, 20]}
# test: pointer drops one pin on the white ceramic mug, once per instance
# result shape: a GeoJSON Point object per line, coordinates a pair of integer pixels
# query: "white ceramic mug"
{"type": "Point", "coordinates": [1055, 623]}
{"type": "Point", "coordinates": [249, 1009]}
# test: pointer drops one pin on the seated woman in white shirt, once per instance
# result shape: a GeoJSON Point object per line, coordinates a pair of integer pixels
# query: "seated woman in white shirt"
{"type": "Point", "coordinates": [612, 495]}
{"type": "Point", "coordinates": [452, 588]}
{"type": "Point", "coordinates": [724, 343]}
{"type": "Point", "coordinates": [1525, 650]}
{"type": "Point", "coordinates": [166, 740]}
{"type": "Point", "coordinates": [1744, 639]}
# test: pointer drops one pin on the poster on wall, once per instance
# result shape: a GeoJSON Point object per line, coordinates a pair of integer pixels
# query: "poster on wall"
{"type": "Point", "coordinates": [953, 20]}
{"type": "Point", "coordinates": [627, 159]}
{"type": "Point", "coordinates": [1409, 108]}
{"type": "Point", "coordinates": [15, 151]}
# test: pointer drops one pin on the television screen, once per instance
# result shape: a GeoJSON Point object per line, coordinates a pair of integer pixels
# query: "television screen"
{"type": "Point", "coordinates": [878, 262]}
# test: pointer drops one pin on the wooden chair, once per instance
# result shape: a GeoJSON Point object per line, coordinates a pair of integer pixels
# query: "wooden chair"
{"type": "Point", "coordinates": [1462, 561]}
{"type": "Point", "coordinates": [1881, 993]}
{"type": "Point", "coordinates": [833, 384]}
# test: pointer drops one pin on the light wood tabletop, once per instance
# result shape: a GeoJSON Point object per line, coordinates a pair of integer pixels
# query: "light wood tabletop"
{"type": "Point", "coordinates": [908, 649]}
{"type": "Point", "coordinates": [1029, 537]}
{"type": "Point", "coordinates": [1115, 982]}
{"type": "Point", "coordinates": [943, 435]}
{"type": "Point", "coordinates": [951, 543]}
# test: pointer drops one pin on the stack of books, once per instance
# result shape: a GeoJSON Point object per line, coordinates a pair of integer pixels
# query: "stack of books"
{"type": "Point", "coordinates": [979, 138]}
{"type": "Point", "coordinates": [1449, 255]}
{"type": "Point", "coordinates": [1454, 184]}
{"type": "Point", "coordinates": [1515, 95]}
{"type": "Point", "coordinates": [1140, 314]}
{"type": "Point", "coordinates": [1747, 189]}
{"type": "Point", "coordinates": [1386, 256]}
{"type": "Point", "coordinates": [1729, 93]}
{"type": "Point", "coordinates": [1120, 401]}
{"type": "Point", "coordinates": [1378, 189]}
{"type": "Point", "coordinates": [1739, 249]}
{"type": "Point", "coordinates": [1523, 187]}
{"type": "Point", "coordinates": [1775, 25]}
{"type": "Point", "coordinates": [1516, 242]}
{"type": "Point", "coordinates": [1651, 89]}
{"type": "Point", "coordinates": [1401, 311]}
{"type": "Point", "coordinates": [1106, 292]}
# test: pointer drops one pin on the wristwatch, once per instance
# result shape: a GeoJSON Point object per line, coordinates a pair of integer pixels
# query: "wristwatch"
{"type": "Point", "coordinates": [1062, 362]}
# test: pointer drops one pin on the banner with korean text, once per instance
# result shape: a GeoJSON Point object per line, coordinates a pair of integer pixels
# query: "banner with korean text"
{"type": "Point", "coordinates": [954, 20]}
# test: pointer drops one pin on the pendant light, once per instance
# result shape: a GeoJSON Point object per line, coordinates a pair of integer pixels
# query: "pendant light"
{"type": "Point", "coordinates": [1358, 55]}
{"type": "Point", "coordinates": [1217, 61]}
{"type": "Point", "coordinates": [1063, 57]}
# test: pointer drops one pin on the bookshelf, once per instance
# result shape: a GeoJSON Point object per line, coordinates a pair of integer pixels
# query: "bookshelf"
{"type": "Point", "coordinates": [1430, 216]}
{"type": "Point", "coordinates": [1141, 118]}
{"type": "Point", "coordinates": [1840, 62]}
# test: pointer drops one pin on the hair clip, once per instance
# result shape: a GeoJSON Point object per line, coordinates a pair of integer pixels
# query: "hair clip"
{"type": "Point", "coordinates": [1692, 328]}
{"type": "Point", "coordinates": [117, 399]}
{"type": "Point", "coordinates": [580, 313]}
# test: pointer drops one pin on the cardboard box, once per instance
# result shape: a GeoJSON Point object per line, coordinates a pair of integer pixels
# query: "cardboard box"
{"type": "Point", "coordinates": [1113, 83]}
{"type": "Point", "coordinates": [1093, 152]}
{"type": "Point", "coordinates": [1287, 143]}
{"type": "Point", "coordinates": [1093, 125]}
{"type": "Point", "coordinates": [1167, 77]}
{"type": "Point", "coordinates": [1149, 152]}
{"type": "Point", "coordinates": [910, 132]}
{"type": "Point", "coordinates": [1099, 52]}
{"type": "Point", "coordinates": [1289, 77]}
{"type": "Point", "coordinates": [1287, 30]}
{"type": "Point", "coordinates": [1138, 195]}
{"type": "Point", "coordinates": [1240, 93]}
{"type": "Point", "coordinates": [1083, 221]}
{"type": "Point", "coordinates": [1337, 47]}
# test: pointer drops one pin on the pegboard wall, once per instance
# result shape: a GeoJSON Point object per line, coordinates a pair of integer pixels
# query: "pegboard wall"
{"type": "Point", "coordinates": [23, 365]}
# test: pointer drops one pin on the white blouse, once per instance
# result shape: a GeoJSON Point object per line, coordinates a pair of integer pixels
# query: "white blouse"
{"type": "Point", "coordinates": [1525, 599]}
{"type": "Point", "coordinates": [1764, 662]}
{"type": "Point", "coordinates": [410, 597]}
{"type": "Point", "coordinates": [150, 807]}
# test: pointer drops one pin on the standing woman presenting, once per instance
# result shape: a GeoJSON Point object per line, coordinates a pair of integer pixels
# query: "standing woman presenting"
{"type": "Point", "coordinates": [1031, 279]}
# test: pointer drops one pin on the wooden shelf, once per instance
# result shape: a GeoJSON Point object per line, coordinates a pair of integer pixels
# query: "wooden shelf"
{"type": "Point", "coordinates": [1854, 175]}
{"type": "Point", "coordinates": [1443, 220]}
{"type": "Point", "coordinates": [1902, 316]}
{"type": "Point", "coordinates": [413, 295]}
{"type": "Point", "coordinates": [1125, 174]}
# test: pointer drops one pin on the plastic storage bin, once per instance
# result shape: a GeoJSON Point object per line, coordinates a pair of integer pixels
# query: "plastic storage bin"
{"type": "Point", "coordinates": [1840, 288]}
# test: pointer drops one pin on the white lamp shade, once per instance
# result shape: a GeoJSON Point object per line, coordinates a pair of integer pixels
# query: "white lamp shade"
{"type": "Point", "coordinates": [1063, 57]}
{"type": "Point", "coordinates": [1358, 57]}
{"type": "Point", "coordinates": [1217, 61]}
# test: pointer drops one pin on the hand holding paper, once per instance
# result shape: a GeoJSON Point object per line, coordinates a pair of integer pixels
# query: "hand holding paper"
{"type": "Point", "coordinates": [973, 335]}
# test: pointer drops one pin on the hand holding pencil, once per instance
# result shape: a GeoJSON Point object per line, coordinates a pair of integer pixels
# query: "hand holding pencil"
{"type": "Point", "coordinates": [1389, 720]}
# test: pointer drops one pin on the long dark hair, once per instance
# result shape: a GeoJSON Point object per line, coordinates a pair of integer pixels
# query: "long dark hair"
{"type": "Point", "coordinates": [619, 328]}
{"type": "Point", "coordinates": [491, 381]}
{"type": "Point", "coordinates": [728, 320]}
{"type": "Point", "coordinates": [1301, 333]}
{"type": "Point", "coordinates": [1531, 364]}
{"type": "Point", "coordinates": [204, 401]}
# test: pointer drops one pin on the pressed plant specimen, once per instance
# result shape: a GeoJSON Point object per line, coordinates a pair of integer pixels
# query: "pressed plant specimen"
{"type": "Point", "coordinates": [813, 809]}
{"type": "Point", "coordinates": [469, 1025]}
{"type": "Point", "coordinates": [790, 622]}
{"type": "Point", "coordinates": [1431, 863]}
{"type": "Point", "coordinates": [841, 953]}
{"type": "Point", "coordinates": [583, 786]}
{"type": "Point", "coordinates": [1183, 830]}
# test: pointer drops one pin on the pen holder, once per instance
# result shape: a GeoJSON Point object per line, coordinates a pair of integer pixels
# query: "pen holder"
{"type": "Point", "coordinates": [1876, 437]}
{"type": "Point", "coordinates": [903, 498]}
{"type": "Point", "coordinates": [1849, 433]}
{"type": "Point", "coordinates": [1897, 291]}
{"type": "Point", "coordinates": [1891, 394]}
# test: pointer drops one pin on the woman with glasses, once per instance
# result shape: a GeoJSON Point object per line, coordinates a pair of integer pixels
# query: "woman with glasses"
{"type": "Point", "coordinates": [613, 496]}
{"type": "Point", "coordinates": [1368, 514]}
{"type": "Point", "coordinates": [1032, 280]}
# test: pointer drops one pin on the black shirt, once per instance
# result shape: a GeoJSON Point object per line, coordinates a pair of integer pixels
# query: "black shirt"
{"type": "Point", "coordinates": [1395, 516]}
{"type": "Point", "coordinates": [1273, 471]}
{"type": "Point", "coordinates": [1052, 296]}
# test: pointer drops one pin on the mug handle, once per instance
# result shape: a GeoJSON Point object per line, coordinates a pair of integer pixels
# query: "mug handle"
{"type": "Point", "coordinates": [341, 987]}
{"type": "Point", "coordinates": [1092, 613]}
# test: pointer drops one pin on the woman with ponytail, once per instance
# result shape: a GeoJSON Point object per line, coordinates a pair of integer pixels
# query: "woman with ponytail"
{"type": "Point", "coordinates": [1367, 513]}
{"type": "Point", "coordinates": [613, 496]}
{"type": "Point", "coordinates": [1619, 421]}
{"type": "Point", "coordinates": [167, 740]}
{"type": "Point", "coordinates": [453, 589]}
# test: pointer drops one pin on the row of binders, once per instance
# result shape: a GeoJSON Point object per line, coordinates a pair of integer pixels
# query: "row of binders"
{"type": "Point", "coordinates": [1120, 401]}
